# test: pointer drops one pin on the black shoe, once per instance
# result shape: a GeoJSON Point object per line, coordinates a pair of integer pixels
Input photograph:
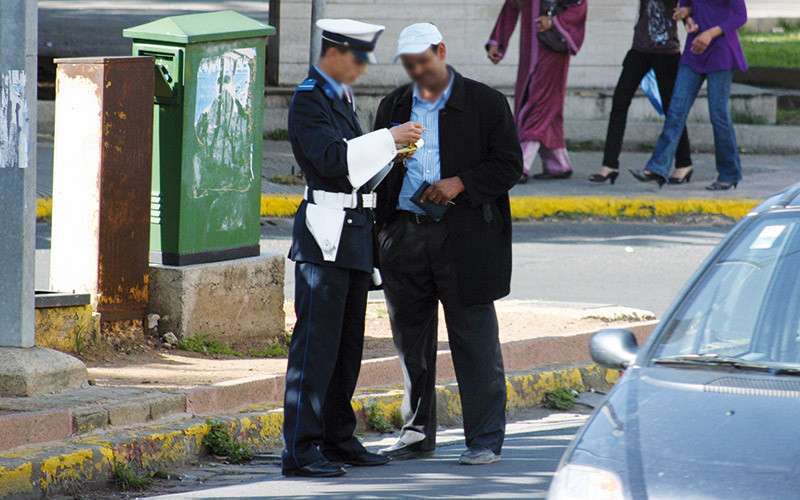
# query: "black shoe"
{"type": "Point", "coordinates": [322, 468]}
{"type": "Point", "coordinates": [403, 451]}
{"type": "Point", "coordinates": [600, 178]}
{"type": "Point", "coordinates": [364, 459]}
{"type": "Point", "coordinates": [721, 186]}
{"type": "Point", "coordinates": [686, 179]}
{"type": "Point", "coordinates": [645, 176]}
{"type": "Point", "coordinates": [545, 176]}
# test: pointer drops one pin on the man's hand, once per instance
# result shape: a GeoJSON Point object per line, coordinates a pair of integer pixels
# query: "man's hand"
{"type": "Point", "coordinates": [681, 13]}
{"type": "Point", "coordinates": [407, 133]}
{"type": "Point", "coordinates": [704, 39]}
{"type": "Point", "coordinates": [494, 55]}
{"type": "Point", "coordinates": [544, 23]}
{"type": "Point", "coordinates": [690, 25]}
{"type": "Point", "coordinates": [443, 191]}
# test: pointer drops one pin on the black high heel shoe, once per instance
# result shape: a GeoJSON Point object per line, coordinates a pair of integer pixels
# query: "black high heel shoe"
{"type": "Point", "coordinates": [721, 186]}
{"type": "Point", "coordinates": [645, 176]}
{"type": "Point", "coordinates": [686, 179]}
{"type": "Point", "coordinates": [600, 178]}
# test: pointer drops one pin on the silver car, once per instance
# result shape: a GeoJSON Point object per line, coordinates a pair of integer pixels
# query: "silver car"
{"type": "Point", "coordinates": [709, 408]}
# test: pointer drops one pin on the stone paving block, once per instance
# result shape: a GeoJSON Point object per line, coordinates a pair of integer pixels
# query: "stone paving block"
{"type": "Point", "coordinates": [168, 404]}
{"type": "Point", "coordinates": [19, 429]}
{"type": "Point", "coordinates": [89, 418]}
{"type": "Point", "coordinates": [133, 412]}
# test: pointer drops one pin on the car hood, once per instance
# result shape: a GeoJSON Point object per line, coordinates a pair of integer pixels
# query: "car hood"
{"type": "Point", "coordinates": [698, 433]}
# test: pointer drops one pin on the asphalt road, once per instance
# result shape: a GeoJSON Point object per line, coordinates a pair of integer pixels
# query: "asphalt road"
{"type": "Point", "coordinates": [532, 450]}
{"type": "Point", "coordinates": [629, 264]}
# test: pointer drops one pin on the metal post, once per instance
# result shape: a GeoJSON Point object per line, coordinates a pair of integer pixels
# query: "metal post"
{"type": "Point", "coordinates": [274, 44]}
{"type": "Point", "coordinates": [317, 12]}
{"type": "Point", "coordinates": [17, 171]}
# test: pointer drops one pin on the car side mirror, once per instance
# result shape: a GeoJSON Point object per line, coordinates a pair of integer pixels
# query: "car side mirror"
{"type": "Point", "coordinates": [614, 348]}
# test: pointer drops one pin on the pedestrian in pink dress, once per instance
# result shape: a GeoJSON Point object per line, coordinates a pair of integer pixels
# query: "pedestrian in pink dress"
{"type": "Point", "coordinates": [552, 32]}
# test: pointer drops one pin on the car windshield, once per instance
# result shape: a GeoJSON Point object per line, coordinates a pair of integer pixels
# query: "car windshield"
{"type": "Point", "coordinates": [746, 305]}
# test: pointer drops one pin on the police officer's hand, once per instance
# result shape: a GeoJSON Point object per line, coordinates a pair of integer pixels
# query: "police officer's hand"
{"type": "Point", "coordinates": [443, 191]}
{"type": "Point", "coordinates": [407, 133]}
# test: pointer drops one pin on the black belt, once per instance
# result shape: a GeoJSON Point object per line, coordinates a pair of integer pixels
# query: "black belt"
{"type": "Point", "coordinates": [417, 218]}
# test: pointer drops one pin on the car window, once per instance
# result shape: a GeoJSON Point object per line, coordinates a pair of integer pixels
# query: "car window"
{"type": "Point", "coordinates": [747, 303]}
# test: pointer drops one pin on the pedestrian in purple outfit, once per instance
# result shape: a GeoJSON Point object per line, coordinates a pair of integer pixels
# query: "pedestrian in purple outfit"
{"type": "Point", "coordinates": [712, 53]}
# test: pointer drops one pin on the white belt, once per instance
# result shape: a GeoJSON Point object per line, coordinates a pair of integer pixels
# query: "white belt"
{"type": "Point", "coordinates": [342, 200]}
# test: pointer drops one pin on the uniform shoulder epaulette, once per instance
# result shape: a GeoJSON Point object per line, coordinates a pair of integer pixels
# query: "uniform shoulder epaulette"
{"type": "Point", "coordinates": [307, 85]}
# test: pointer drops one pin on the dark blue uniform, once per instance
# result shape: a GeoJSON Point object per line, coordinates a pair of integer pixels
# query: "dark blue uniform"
{"type": "Point", "coordinates": [330, 297]}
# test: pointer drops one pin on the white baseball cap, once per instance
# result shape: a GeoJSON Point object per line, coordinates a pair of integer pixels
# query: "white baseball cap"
{"type": "Point", "coordinates": [417, 38]}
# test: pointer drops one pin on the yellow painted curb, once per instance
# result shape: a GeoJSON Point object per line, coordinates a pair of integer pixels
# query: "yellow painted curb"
{"type": "Point", "coordinates": [542, 207]}
{"type": "Point", "coordinates": [76, 464]}
{"type": "Point", "coordinates": [606, 207]}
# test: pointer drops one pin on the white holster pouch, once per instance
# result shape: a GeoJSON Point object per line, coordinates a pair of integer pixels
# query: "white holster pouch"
{"type": "Point", "coordinates": [325, 225]}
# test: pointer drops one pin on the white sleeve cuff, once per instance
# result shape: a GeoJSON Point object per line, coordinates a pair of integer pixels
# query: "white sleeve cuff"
{"type": "Point", "coordinates": [368, 154]}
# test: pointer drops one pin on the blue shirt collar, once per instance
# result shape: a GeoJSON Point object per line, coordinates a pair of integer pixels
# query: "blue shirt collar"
{"type": "Point", "coordinates": [442, 98]}
{"type": "Point", "coordinates": [337, 87]}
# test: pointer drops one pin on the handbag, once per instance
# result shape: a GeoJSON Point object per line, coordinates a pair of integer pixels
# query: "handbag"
{"type": "Point", "coordinates": [552, 38]}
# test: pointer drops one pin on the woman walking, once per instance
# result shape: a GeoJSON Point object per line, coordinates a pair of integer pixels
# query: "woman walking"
{"type": "Point", "coordinates": [552, 32]}
{"type": "Point", "coordinates": [712, 53]}
{"type": "Point", "coordinates": [655, 47]}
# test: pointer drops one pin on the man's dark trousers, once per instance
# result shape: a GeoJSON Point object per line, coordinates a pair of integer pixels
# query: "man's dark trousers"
{"type": "Point", "coordinates": [319, 384]}
{"type": "Point", "coordinates": [418, 273]}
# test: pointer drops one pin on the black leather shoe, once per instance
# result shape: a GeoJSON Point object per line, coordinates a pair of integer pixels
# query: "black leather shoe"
{"type": "Point", "coordinates": [364, 459]}
{"type": "Point", "coordinates": [323, 468]}
{"type": "Point", "coordinates": [402, 451]}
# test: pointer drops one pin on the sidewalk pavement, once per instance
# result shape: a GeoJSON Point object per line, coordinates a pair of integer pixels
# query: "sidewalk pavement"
{"type": "Point", "coordinates": [763, 176]}
{"type": "Point", "coordinates": [165, 384]}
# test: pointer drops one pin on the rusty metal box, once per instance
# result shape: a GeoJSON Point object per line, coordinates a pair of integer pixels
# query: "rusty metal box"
{"type": "Point", "coordinates": [101, 182]}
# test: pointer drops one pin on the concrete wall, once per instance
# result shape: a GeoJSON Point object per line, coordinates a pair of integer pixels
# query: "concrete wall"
{"type": "Point", "coordinates": [466, 25]}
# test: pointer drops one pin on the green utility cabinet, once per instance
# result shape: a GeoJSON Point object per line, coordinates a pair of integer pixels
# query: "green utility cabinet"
{"type": "Point", "coordinates": [207, 134]}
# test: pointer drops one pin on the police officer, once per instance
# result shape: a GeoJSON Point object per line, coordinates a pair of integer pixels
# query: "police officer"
{"type": "Point", "coordinates": [333, 250]}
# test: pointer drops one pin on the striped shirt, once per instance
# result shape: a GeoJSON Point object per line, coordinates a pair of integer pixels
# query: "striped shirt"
{"type": "Point", "coordinates": [425, 165]}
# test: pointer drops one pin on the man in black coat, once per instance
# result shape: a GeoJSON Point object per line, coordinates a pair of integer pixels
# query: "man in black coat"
{"type": "Point", "coordinates": [471, 158]}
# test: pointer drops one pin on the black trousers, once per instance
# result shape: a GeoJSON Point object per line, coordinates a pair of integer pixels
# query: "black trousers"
{"type": "Point", "coordinates": [324, 361]}
{"type": "Point", "coordinates": [418, 274]}
{"type": "Point", "coordinates": [634, 68]}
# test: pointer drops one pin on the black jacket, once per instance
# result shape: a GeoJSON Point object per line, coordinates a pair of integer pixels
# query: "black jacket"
{"type": "Point", "coordinates": [478, 143]}
{"type": "Point", "coordinates": [319, 121]}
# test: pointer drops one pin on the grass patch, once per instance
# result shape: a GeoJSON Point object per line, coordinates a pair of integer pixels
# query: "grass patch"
{"type": "Point", "coordinates": [788, 117]}
{"type": "Point", "coordinates": [378, 421]}
{"type": "Point", "coordinates": [288, 180]}
{"type": "Point", "coordinates": [127, 478]}
{"type": "Point", "coordinates": [205, 345]}
{"type": "Point", "coordinates": [220, 442]}
{"type": "Point", "coordinates": [277, 348]}
{"type": "Point", "coordinates": [279, 134]}
{"type": "Point", "coordinates": [560, 399]}
{"type": "Point", "coordinates": [773, 50]}
{"type": "Point", "coordinates": [748, 119]}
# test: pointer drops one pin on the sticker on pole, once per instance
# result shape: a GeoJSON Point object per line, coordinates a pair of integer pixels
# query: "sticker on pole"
{"type": "Point", "coordinates": [13, 120]}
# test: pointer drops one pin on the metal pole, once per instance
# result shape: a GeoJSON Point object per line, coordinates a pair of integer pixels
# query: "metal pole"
{"type": "Point", "coordinates": [17, 171]}
{"type": "Point", "coordinates": [317, 12]}
{"type": "Point", "coordinates": [274, 44]}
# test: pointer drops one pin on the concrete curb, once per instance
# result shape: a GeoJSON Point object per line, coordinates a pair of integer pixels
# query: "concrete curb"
{"type": "Point", "coordinates": [542, 207]}
{"type": "Point", "coordinates": [78, 464]}
{"type": "Point", "coordinates": [239, 394]}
